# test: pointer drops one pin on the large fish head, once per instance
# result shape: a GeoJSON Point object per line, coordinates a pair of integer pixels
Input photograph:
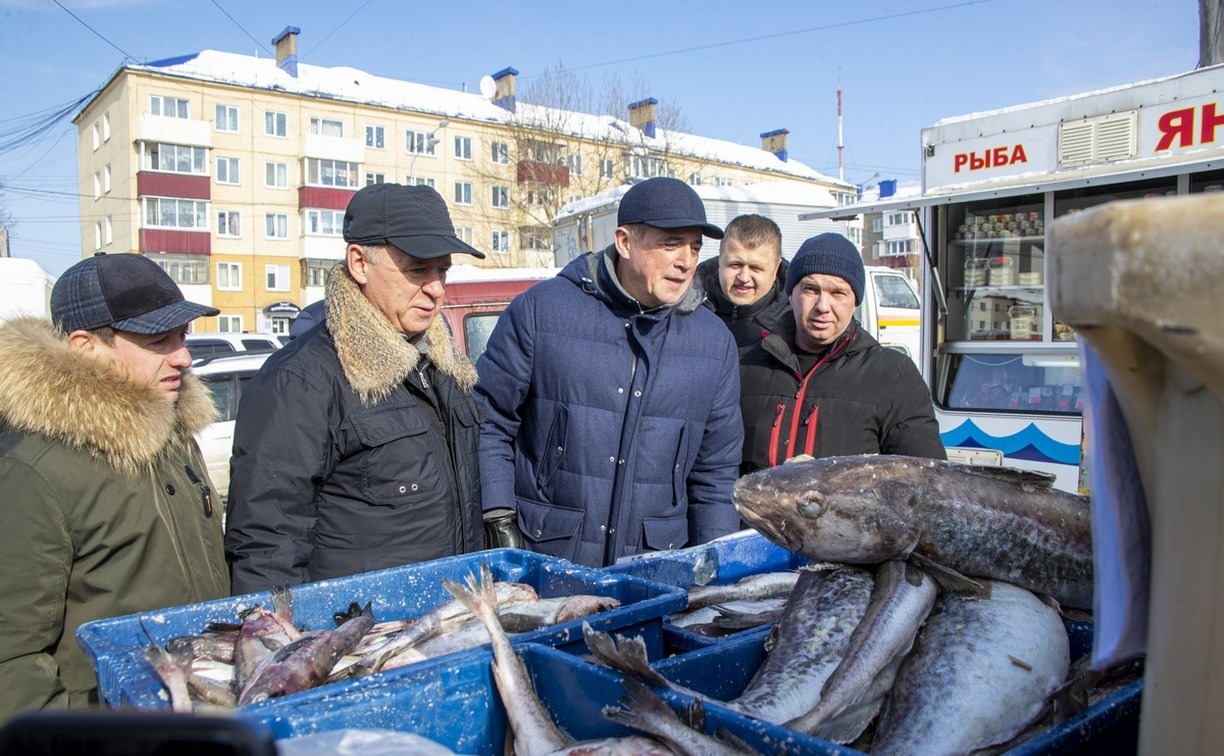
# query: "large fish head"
{"type": "Point", "coordinates": [837, 509]}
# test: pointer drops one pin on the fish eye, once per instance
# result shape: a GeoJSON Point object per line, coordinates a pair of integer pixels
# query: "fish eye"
{"type": "Point", "coordinates": [812, 504]}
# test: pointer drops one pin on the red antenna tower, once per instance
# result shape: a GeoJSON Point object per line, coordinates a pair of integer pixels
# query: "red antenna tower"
{"type": "Point", "coordinates": [841, 145]}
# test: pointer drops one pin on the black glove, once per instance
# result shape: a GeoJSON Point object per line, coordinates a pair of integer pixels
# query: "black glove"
{"type": "Point", "coordinates": [501, 529]}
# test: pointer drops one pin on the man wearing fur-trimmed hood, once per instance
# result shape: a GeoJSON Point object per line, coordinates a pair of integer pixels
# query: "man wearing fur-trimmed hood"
{"type": "Point", "coordinates": [104, 495]}
{"type": "Point", "coordinates": [355, 445]}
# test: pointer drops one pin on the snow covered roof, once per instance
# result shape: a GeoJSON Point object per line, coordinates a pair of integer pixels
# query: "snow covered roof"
{"type": "Point", "coordinates": [765, 193]}
{"type": "Point", "coordinates": [357, 86]}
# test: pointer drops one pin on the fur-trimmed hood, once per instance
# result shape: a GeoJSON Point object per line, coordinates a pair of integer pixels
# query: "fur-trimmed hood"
{"type": "Point", "coordinates": [49, 388]}
{"type": "Point", "coordinates": [374, 356]}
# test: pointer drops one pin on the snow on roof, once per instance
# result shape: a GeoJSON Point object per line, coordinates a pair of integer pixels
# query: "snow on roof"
{"type": "Point", "coordinates": [767, 192]}
{"type": "Point", "coordinates": [353, 85]}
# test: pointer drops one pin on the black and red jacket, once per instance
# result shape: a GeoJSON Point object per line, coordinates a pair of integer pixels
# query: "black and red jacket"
{"type": "Point", "coordinates": [859, 398]}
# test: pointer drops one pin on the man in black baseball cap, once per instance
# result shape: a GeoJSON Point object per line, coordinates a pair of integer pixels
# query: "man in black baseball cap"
{"type": "Point", "coordinates": [612, 396]}
{"type": "Point", "coordinates": [105, 496]}
{"type": "Point", "coordinates": [355, 445]}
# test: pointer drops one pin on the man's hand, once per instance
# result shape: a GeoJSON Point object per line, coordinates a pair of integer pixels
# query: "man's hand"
{"type": "Point", "coordinates": [501, 529]}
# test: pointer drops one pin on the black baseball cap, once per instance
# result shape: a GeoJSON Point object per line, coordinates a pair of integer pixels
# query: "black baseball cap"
{"type": "Point", "coordinates": [127, 292]}
{"type": "Point", "coordinates": [413, 219]}
{"type": "Point", "coordinates": [664, 202]}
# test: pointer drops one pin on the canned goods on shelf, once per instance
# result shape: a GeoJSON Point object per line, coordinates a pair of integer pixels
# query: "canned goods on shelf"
{"type": "Point", "coordinates": [1002, 271]}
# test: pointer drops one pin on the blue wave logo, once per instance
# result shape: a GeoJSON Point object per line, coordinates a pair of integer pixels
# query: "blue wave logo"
{"type": "Point", "coordinates": [1031, 443]}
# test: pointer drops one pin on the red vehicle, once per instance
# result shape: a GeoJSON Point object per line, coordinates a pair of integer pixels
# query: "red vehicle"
{"type": "Point", "coordinates": [475, 298]}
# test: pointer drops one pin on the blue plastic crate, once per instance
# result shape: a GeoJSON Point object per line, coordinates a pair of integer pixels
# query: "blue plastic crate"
{"type": "Point", "coordinates": [455, 702]}
{"type": "Point", "coordinates": [720, 562]}
{"type": "Point", "coordinates": [723, 671]}
{"type": "Point", "coordinates": [126, 679]}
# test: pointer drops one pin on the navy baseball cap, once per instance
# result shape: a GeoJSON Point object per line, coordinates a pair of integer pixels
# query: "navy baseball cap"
{"type": "Point", "coordinates": [665, 203]}
{"type": "Point", "coordinates": [413, 219]}
{"type": "Point", "coordinates": [127, 292]}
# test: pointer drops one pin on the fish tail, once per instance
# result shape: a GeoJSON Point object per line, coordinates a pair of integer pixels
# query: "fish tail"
{"type": "Point", "coordinates": [642, 709]}
{"type": "Point", "coordinates": [479, 598]}
{"type": "Point", "coordinates": [626, 654]}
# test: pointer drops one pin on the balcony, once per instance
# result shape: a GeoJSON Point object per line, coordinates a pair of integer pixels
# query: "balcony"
{"type": "Point", "coordinates": [333, 148]}
{"type": "Point", "coordinates": [151, 128]}
{"type": "Point", "coordinates": [175, 241]}
{"type": "Point", "coordinates": [324, 197]}
{"type": "Point", "coordinates": [182, 185]}
{"type": "Point", "coordinates": [549, 174]}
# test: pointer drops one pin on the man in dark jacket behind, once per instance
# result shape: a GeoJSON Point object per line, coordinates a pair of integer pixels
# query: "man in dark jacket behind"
{"type": "Point", "coordinates": [355, 445]}
{"type": "Point", "coordinates": [743, 285]}
{"type": "Point", "coordinates": [823, 386]}
{"type": "Point", "coordinates": [613, 396]}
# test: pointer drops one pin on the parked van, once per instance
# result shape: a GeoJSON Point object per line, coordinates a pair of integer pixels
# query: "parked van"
{"type": "Point", "coordinates": [475, 298]}
{"type": "Point", "coordinates": [891, 311]}
{"type": "Point", "coordinates": [207, 344]}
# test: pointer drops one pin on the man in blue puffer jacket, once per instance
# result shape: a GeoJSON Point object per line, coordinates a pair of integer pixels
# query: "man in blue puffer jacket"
{"type": "Point", "coordinates": [612, 397]}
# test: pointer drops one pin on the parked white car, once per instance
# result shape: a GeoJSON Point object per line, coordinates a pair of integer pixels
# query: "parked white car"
{"type": "Point", "coordinates": [206, 344]}
{"type": "Point", "coordinates": [226, 376]}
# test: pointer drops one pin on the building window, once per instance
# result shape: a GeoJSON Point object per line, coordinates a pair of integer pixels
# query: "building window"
{"type": "Point", "coordinates": [167, 106]}
{"type": "Point", "coordinates": [229, 323]}
{"type": "Point", "coordinates": [276, 277]}
{"type": "Point", "coordinates": [183, 269]}
{"type": "Point", "coordinates": [327, 127]}
{"type": "Point", "coordinates": [97, 184]}
{"type": "Point", "coordinates": [324, 222]}
{"type": "Point", "coordinates": [170, 212]}
{"type": "Point", "coordinates": [464, 234]}
{"type": "Point", "coordinates": [98, 235]}
{"type": "Point", "coordinates": [108, 231]}
{"type": "Point", "coordinates": [276, 123]}
{"type": "Point", "coordinates": [501, 153]}
{"type": "Point", "coordinates": [463, 193]}
{"type": "Point", "coordinates": [106, 127]}
{"type": "Point", "coordinates": [722, 181]}
{"type": "Point", "coordinates": [605, 168]}
{"type": "Point", "coordinates": [228, 224]}
{"type": "Point", "coordinates": [695, 179]}
{"type": "Point", "coordinates": [644, 166]}
{"type": "Point", "coordinates": [877, 225]}
{"type": "Point", "coordinates": [420, 181]}
{"type": "Point", "coordinates": [501, 197]}
{"type": "Point", "coordinates": [315, 272]}
{"type": "Point", "coordinates": [376, 137]}
{"type": "Point", "coordinates": [327, 172]}
{"type": "Point", "coordinates": [229, 276]}
{"type": "Point", "coordinates": [106, 178]}
{"type": "Point", "coordinates": [501, 241]}
{"type": "Point", "coordinates": [419, 142]}
{"type": "Point", "coordinates": [176, 158]}
{"type": "Point", "coordinates": [97, 137]}
{"type": "Point", "coordinates": [463, 148]}
{"type": "Point", "coordinates": [276, 175]}
{"type": "Point", "coordinates": [575, 164]}
{"type": "Point", "coordinates": [227, 170]}
{"type": "Point", "coordinates": [227, 118]}
{"type": "Point", "coordinates": [375, 178]}
{"type": "Point", "coordinates": [535, 237]}
{"type": "Point", "coordinates": [276, 226]}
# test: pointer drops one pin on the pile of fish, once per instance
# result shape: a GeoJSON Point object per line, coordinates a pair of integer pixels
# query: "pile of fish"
{"type": "Point", "coordinates": [266, 655]}
{"type": "Point", "coordinates": [918, 627]}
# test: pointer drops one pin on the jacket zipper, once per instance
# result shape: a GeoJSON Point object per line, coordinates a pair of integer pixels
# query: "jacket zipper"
{"type": "Point", "coordinates": [803, 385]}
{"type": "Point", "coordinates": [773, 434]}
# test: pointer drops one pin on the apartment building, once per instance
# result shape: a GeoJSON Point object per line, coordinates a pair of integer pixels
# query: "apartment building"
{"type": "Point", "coordinates": [893, 238]}
{"type": "Point", "coordinates": [233, 172]}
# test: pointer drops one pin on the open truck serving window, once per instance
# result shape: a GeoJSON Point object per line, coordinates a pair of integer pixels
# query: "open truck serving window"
{"type": "Point", "coordinates": [1003, 371]}
{"type": "Point", "coordinates": [475, 298]}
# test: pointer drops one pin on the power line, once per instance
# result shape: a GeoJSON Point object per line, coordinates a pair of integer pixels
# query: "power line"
{"type": "Point", "coordinates": [95, 31]}
{"type": "Point", "coordinates": [240, 26]}
{"type": "Point", "coordinates": [333, 31]}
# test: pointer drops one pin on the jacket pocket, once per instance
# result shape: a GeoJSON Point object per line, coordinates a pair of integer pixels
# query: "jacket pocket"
{"type": "Point", "coordinates": [680, 466]}
{"type": "Point", "coordinates": [401, 461]}
{"type": "Point", "coordinates": [661, 533]}
{"type": "Point", "coordinates": [554, 448]}
{"type": "Point", "coordinates": [549, 529]}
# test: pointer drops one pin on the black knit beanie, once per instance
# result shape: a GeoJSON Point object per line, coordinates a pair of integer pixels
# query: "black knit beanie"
{"type": "Point", "coordinates": [833, 255]}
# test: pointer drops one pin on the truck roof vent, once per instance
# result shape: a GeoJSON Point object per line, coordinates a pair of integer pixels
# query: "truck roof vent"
{"type": "Point", "coordinates": [1098, 140]}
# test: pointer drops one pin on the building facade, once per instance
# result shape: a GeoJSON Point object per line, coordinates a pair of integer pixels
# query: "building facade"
{"type": "Point", "coordinates": [233, 172]}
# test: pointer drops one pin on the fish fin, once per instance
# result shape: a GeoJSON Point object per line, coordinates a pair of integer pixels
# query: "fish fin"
{"type": "Point", "coordinates": [951, 580]}
{"type": "Point", "coordinates": [627, 655]}
{"type": "Point", "coordinates": [1027, 479]}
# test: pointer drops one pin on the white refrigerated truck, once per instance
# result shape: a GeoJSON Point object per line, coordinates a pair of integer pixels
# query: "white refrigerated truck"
{"type": "Point", "coordinates": [1003, 371]}
{"type": "Point", "coordinates": [25, 288]}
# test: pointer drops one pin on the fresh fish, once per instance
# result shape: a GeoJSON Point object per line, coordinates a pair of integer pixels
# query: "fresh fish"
{"type": "Point", "coordinates": [306, 662]}
{"type": "Point", "coordinates": [990, 522]}
{"type": "Point", "coordinates": [826, 605]}
{"type": "Point", "coordinates": [732, 616]}
{"type": "Point", "coordinates": [642, 709]}
{"type": "Point", "coordinates": [980, 671]}
{"type": "Point", "coordinates": [217, 646]}
{"type": "Point", "coordinates": [533, 615]}
{"type": "Point", "coordinates": [446, 618]}
{"type": "Point", "coordinates": [901, 600]}
{"type": "Point", "coordinates": [534, 731]}
{"type": "Point", "coordinates": [262, 634]}
{"type": "Point", "coordinates": [173, 669]}
{"type": "Point", "coordinates": [758, 586]}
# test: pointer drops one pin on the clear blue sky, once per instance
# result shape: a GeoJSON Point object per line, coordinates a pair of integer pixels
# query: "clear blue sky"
{"type": "Point", "coordinates": [736, 69]}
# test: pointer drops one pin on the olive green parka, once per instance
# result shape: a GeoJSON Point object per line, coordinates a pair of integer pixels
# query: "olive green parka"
{"type": "Point", "coordinates": [102, 509]}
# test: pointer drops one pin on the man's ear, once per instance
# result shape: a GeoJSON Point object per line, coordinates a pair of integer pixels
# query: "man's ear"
{"type": "Point", "coordinates": [621, 240]}
{"type": "Point", "coordinates": [358, 261]}
{"type": "Point", "coordinates": [83, 340]}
